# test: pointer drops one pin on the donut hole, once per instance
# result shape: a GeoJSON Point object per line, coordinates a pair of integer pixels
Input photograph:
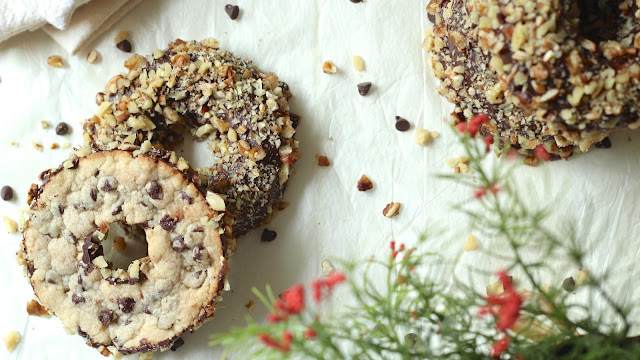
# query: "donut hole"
{"type": "Point", "coordinates": [124, 244]}
{"type": "Point", "coordinates": [197, 153]}
{"type": "Point", "coordinates": [600, 20]}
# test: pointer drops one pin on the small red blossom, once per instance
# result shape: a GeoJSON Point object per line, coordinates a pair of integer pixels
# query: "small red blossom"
{"type": "Point", "coordinates": [292, 301]}
{"type": "Point", "coordinates": [323, 287]}
{"type": "Point", "coordinates": [274, 318]}
{"type": "Point", "coordinates": [284, 345]}
{"type": "Point", "coordinates": [506, 307]}
{"type": "Point", "coordinates": [479, 193]}
{"type": "Point", "coordinates": [395, 252]}
{"type": "Point", "coordinates": [541, 153]}
{"type": "Point", "coordinates": [488, 141]}
{"type": "Point", "coordinates": [309, 333]}
{"type": "Point", "coordinates": [499, 347]}
{"type": "Point", "coordinates": [476, 123]}
{"type": "Point", "coordinates": [462, 127]}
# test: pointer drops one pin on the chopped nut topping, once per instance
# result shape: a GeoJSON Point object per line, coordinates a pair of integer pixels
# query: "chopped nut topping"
{"type": "Point", "coordinates": [364, 184]}
{"type": "Point", "coordinates": [37, 146]}
{"type": "Point", "coordinates": [424, 136]}
{"type": "Point", "coordinates": [329, 68]}
{"type": "Point", "coordinates": [36, 309]}
{"type": "Point", "coordinates": [322, 160]}
{"type": "Point", "coordinates": [122, 35]}
{"type": "Point", "coordinates": [54, 146]}
{"type": "Point", "coordinates": [215, 201]}
{"type": "Point", "coordinates": [10, 225]}
{"type": "Point", "coordinates": [92, 56]}
{"type": "Point", "coordinates": [55, 61]}
{"type": "Point", "coordinates": [327, 268]}
{"type": "Point", "coordinates": [45, 124]}
{"type": "Point", "coordinates": [392, 209]}
{"type": "Point", "coordinates": [11, 340]}
{"type": "Point", "coordinates": [471, 244]}
{"type": "Point", "coordinates": [358, 63]}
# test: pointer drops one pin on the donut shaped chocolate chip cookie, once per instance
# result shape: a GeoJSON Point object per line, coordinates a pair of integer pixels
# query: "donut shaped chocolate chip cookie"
{"type": "Point", "coordinates": [197, 88]}
{"type": "Point", "coordinates": [562, 73]}
{"type": "Point", "coordinates": [148, 305]}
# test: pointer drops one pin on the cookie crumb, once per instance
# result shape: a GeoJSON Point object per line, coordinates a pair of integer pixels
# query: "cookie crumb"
{"type": "Point", "coordinates": [9, 225]}
{"type": "Point", "coordinates": [322, 160]}
{"type": "Point", "coordinates": [471, 244]}
{"type": "Point", "coordinates": [327, 268]}
{"type": "Point", "coordinates": [55, 61]}
{"type": "Point", "coordinates": [45, 124]}
{"type": "Point", "coordinates": [92, 56]}
{"type": "Point", "coordinates": [36, 309]}
{"type": "Point", "coordinates": [250, 305]}
{"type": "Point", "coordinates": [329, 68]}
{"type": "Point", "coordinates": [424, 137]}
{"type": "Point", "coordinates": [364, 183]}
{"type": "Point", "coordinates": [358, 63]}
{"type": "Point", "coordinates": [392, 209]}
{"type": "Point", "coordinates": [11, 340]}
{"type": "Point", "coordinates": [268, 235]}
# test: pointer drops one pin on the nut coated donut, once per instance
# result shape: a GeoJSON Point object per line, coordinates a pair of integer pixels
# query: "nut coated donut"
{"type": "Point", "coordinates": [197, 87]}
{"type": "Point", "coordinates": [148, 305]}
{"type": "Point", "coordinates": [561, 73]}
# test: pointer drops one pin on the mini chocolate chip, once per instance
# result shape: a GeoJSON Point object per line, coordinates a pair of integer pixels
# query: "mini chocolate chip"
{"type": "Point", "coordinates": [6, 193]}
{"type": "Point", "coordinates": [178, 244]}
{"type": "Point", "coordinates": [155, 191]}
{"type": "Point", "coordinates": [86, 258]}
{"type": "Point", "coordinates": [268, 235]}
{"type": "Point", "coordinates": [93, 194]}
{"type": "Point", "coordinates": [197, 253]}
{"type": "Point", "coordinates": [117, 211]}
{"type": "Point", "coordinates": [604, 144]}
{"type": "Point", "coordinates": [96, 173]}
{"type": "Point", "coordinates": [356, 1]}
{"type": "Point", "coordinates": [77, 299]}
{"type": "Point", "coordinates": [105, 317]}
{"type": "Point", "coordinates": [431, 17]}
{"type": "Point", "coordinates": [62, 128]}
{"type": "Point", "coordinates": [569, 284]}
{"type": "Point", "coordinates": [363, 88]}
{"type": "Point", "coordinates": [168, 223]}
{"type": "Point", "coordinates": [402, 124]}
{"type": "Point", "coordinates": [107, 186]}
{"type": "Point", "coordinates": [186, 197]}
{"type": "Point", "coordinates": [176, 344]}
{"type": "Point", "coordinates": [126, 304]}
{"type": "Point", "coordinates": [232, 10]}
{"type": "Point", "coordinates": [146, 310]}
{"type": "Point", "coordinates": [124, 45]}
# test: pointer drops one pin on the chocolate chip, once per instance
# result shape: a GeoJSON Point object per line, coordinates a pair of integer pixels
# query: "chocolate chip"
{"type": "Point", "coordinates": [146, 310]}
{"type": "Point", "coordinates": [6, 193]}
{"type": "Point", "coordinates": [93, 194]}
{"type": "Point", "coordinates": [569, 284]}
{"type": "Point", "coordinates": [124, 45]}
{"type": "Point", "coordinates": [363, 88]}
{"type": "Point", "coordinates": [62, 128]}
{"type": "Point", "coordinates": [268, 235]}
{"type": "Point", "coordinates": [86, 257]}
{"type": "Point", "coordinates": [176, 344]}
{"type": "Point", "coordinates": [105, 317]}
{"type": "Point", "coordinates": [155, 191]}
{"type": "Point", "coordinates": [197, 253]}
{"type": "Point", "coordinates": [168, 223]}
{"type": "Point", "coordinates": [107, 186]}
{"type": "Point", "coordinates": [431, 17]}
{"type": "Point", "coordinates": [356, 1]}
{"type": "Point", "coordinates": [402, 124]}
{"type": "Point", "coordinates": [77, 299]}
{"type": "Point", "coordinates": [604, 144]}
{"type": "Point", "coordinates": [117, 211]}
{"type": "Point", "coordinates": [232, 10]}
{"type": "Point", "coordinates": [178, 244]}
{"type": "Point", "coordinates": [126, 304]}
{"type": "Point", "coordinates": [186, 197]}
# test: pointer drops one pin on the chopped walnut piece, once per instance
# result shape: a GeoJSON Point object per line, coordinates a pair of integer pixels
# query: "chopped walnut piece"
{"type": "Point", "coordinates": [36, 309]}
{"type": "Point", "coordinates": [54, 146]}
{"type": "Point", "coordinates": [122, 35]}
{"type": "Point", "coordinates": [215, 201]}
{"type": "Point", "coordinates": [471, 244]}
{"type": "Point", "coordinates": [44, 124]}
{"type": "Point", "coordinates": [530, 160]}
{"type": "Point", "coordinates": [358, 63]}
{"type": "Point", "coordinates": [364, 183]}
{"type": "Point", "coordinates": [329, 68]}
{"type": "Point", "coordinates": [323, 160]}
{"type": "Point", "coordinates": [10, 225]}
{"type": "Point", "coordinates": [11, 340]}
{"type": "Point", "coordinates": [392, 209]}
{"type": "Point", "coordinates": [424, 136]}
{"type": "Point", "coordinates": [37, 146]}
{"type": "Point", "coordinates": [249, 305]}
{"type": "Point", "coordinates": [92, 56]}
{"type": "Point", "coordinates": [327, 268]}
{"type": "Point", "coordinates": [55, 61]}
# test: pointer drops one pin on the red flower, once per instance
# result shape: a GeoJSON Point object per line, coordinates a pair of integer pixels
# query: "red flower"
{"type": "Point", "coordinates": [395, 252]}
{"type": "Point", "coordinates": [499, 347]}
{"type": "Point", "coordinates": [309, 333]}
{"type": "Point", "coordinates": [506, 307]}
{"type": "Point", "coordinates": [462, 127]}
{"type": "Point", "coordinates": [292, 300]}
{"type": "Point", "coordinates": [476, 123]}
{"type": "Point", "coordinates": [541, 153]}
{"type": "Point", "coordinates": [284, 345]}
{"type": "Point", "coordinates": [323, 287]}
{"type": "Point", "coordinates": [479, 193]}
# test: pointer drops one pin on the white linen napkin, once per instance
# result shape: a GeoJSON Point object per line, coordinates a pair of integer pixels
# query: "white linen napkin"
{"type": "Point", "coordinates": [71, 32]}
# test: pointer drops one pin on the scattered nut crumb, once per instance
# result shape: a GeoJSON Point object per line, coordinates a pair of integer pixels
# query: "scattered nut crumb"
{"type": "Point", "coordinates": [327, 268]}
{"type": "Point", "coordinates": [119, 244]}
{"type": "Point", "coordinates": [66, 145]}
{"type": "Point", "coordinates": [92, 56]}
{"type": "Point", "coordinates": [459, 164]}
{"type": "Point", "coordinates": [329, 68]}
{"type": "Point", "coordinates": [55, 61]}
{"type": "Point", "coordinates": [358, 63]}
{"type": "Point", "coordinates": [9, 225]}
{"type": "Point", "coordinates": [13, 143]}
{"type": "Point", "coordinates": [54, 146]}
{"type": "Point", "coordinates": [530, 160]}
{"type": "Point", "coordinates": [424, 136]}
{"type": "Point", "coordinates": [582, 277]}
{"type": "Point", "coordinates": [364, 184]}
{"type": "Point", "coordinates": [322, 160]}
{"type": "Point", "coordinates": [45, 124]}
{"type": "Point", "coordinates": [36, 309]}
{"type": "Point", "coordinates": [37, 146]}
{"type": "Point", "coordinates": [104, 351]}
{"type": "Point", "coordinates": [495, 288]}
{"type": "Point", "coordinates": [250, 305]}
{"type": "Point", "coordinates": [11, 340]}
{"type": "Point", "coordinates": [215, 201]}
{"type": "Point", "coordinates": [392, 209]}
{"type": "Point", "coordinates": [122, 35]}
{"type": "Point", "coordinates": [471, 244]}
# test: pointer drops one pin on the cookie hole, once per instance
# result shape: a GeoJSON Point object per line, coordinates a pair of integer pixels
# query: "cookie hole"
{"type": "Point", "coordinates": [124, 244]}
{"type": "Point", "coordinates": [600, 20]}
